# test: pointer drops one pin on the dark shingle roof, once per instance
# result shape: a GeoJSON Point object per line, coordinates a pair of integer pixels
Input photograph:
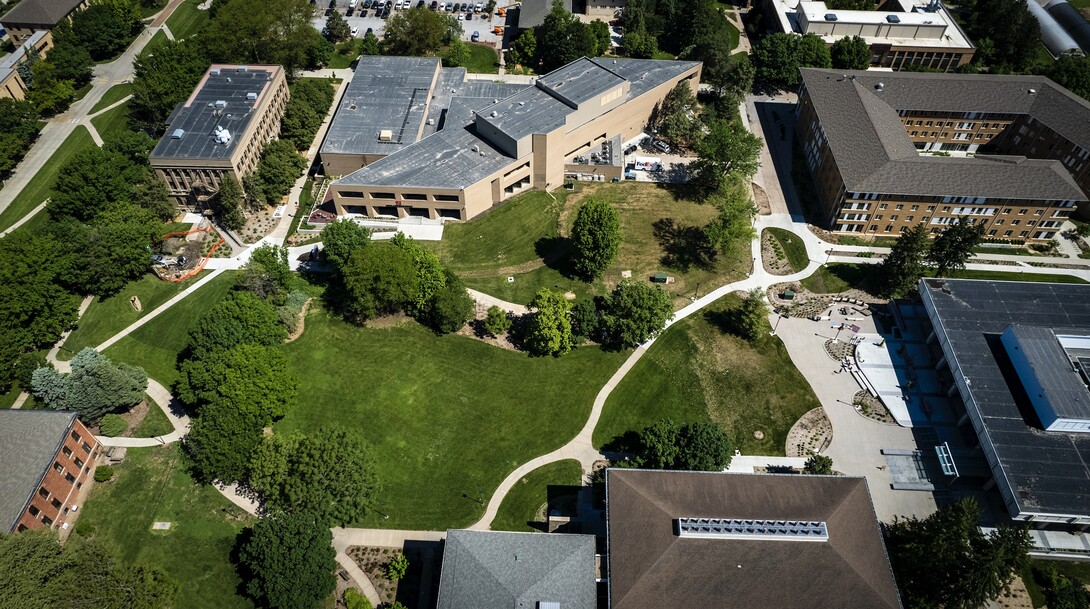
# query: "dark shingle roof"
{"type": "Point", "coordinates": [650, 566]}
{"type": "Point", "coordinates": [29, 440]}
{"type": "Point", "coordinates": [45, 13]}
{"type": "Point", "coordinates": [877, 154]}
{"type": "Point", "coordinates": [494, 570]}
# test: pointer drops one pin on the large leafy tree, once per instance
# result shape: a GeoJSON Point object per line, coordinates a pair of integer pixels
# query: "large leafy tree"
{"type": "Point", "coordinates": [635, 312]}
{"type": "Point", "coordinates": [288, 561]}
{"type": "Point", "coordinates": [103, 255]}
{"type": "Point", "coordinates": [229, 203]}
{"type": "Point", "coordinates": [688, 446]}
{"type": "Point", "coordinates": [419, 31]}
{"type": "Point", "coordinates": [340, 239]}
{"type": "Point", "coordinates": [954, 245]}
{"type": "Point", "coordinates": [727, 147]}
{"type": "Point", "coordinates": [850, 53]}
{"type": "Point", "coordinates": [596, 237]}
{"type": "Point", "coordinates": [18, 127]}
{"type": "Point", "coordinates": [946, 560]}
{"type": "Point", "coordinates": [430, 275]}
{"type": "Point", "coordinates": [750, 315]}
{"type": "Point", "coordinates": [562, 39]}
{"type": "Point", "coordinates": [49, 92]}
{"type": "Point", "coordinates": [449, 307]}
{"type": "Point", "coordinates": [903, 267]}
{"type": "Point", "coordinates": [91, 181]}
{"type": "Point", "coordinates": [336, 27]}
{"type": "Point", "coordinates": [34, 308]}
{"type": "Point", "coordinates": [253, 378]}
{"type": "Point", "coordinates": [1072, 72]}
{"type": "Point", "coordinates": [268, 274]}
{"type": "Point", "coordinates": [328, 474]}
{"type": "Point", "coordinates": [1012, 30]}
{"type": "Point", "coordinates": [103, 29]}
{"type": "Point", "coordinates": [851, 5]}
{"type": "Point", "coordinates": [731, 230]}
{"type": "Point", "coordinates": [523, 51]}
{"type": "Point", "coordinates": [240, 318]}
{"type": "Point", "coordinates": [37, 571]}
{"type": "Point", "coordinates": [263, 31]}
{"type": "Point", "coordinates": [277, 170]}
{"type": "Point", "coordinates": [306, 109]}
{"type": "Point", "coordinates": [549, 330]}
{"type": "Point", "coordinates": [675, 119]}
{"type": "Point", "coordinates": [95, 387]}
{"type": "Point", "coordinates": [813, 52]}
{"type": "Point", "coordinates": [222, 439]}
{"type": "Point", "coordinates": [72, 61]}
{"type": "Point", "coordinates": [379, 281]}
{"type": "Point", "coordinates": [164, 77]}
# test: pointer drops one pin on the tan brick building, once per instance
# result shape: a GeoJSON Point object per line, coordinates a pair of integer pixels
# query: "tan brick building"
{"type": "Point", "coordinates": [483, 143]}
{"type": "Point", "coordinates": [46, 457]}
{"type": "Point", "coordinates": [890, 150]}
{"type": "Point", "coordinates": [11, 82]}
{"type": "Point", "coordinates": [905, 33]}
{"type": "Point", "coordinates": [233, 112]}
{"type": "Point", "coordinates": [30, 16]}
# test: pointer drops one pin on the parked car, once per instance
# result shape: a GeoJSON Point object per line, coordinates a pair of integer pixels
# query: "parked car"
{"type": "Point", "coordinates": [476, 37]}
{"type": "Point", "coordinates": [469, 16]}
{"type": "Point", "coordinates": [479, 7]}
{"type": "Point", "coordinates": [369, 30]}
{"type": "Point", "coordinates": [420, 4]}
{"type": "Point", "coordinates": [355, 32]}
{"type": "Point", "coordinates": [352, 3]}
{"type": "Point", "coordinates": [661, 145]}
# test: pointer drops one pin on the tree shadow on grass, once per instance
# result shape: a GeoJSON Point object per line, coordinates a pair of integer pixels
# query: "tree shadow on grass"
{"type": "Point", "coordinates": [685, 246]}
{"type": "Point", "coordinates": [727, 322]}
{"type": "Point", "coordinates": [556, 253]}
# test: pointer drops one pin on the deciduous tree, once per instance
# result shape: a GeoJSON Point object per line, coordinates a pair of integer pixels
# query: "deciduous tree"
{"type": "Point", "coordinates": [954, 245]}
{"type": "Point", "coordinates": [596, 235]}
{"type": "Point", "coordinates": [750, 315]}
{"type": "Point", "coordinates": [379, 280]}
{"type": "Point", "coordinates": [1012, 29]}
{"type": "Point", "coordinates": [329, 474]}
{"type": "Point", "coordinates": [689, 446]}
{"type": "Point", "coordinates": [241, 318]}
{"type": "Point", "coordinates": [263, 32]}
{"type": "Point", "coordinates": [288, 561]}
{"type": "Point", "coordinates": [228, 203]}
{"type": "Point", "coordinates": [727, 147]}
{"type": "Point", "coordinates": [635, 312]}
{"type": "Point", "coordinates": [101, 256]}
{"type": "Point", "coordinates": [340, 239]}
{"type": "Point", "coordinates": [562, 38]}
{"type": "Point", "coordinates": [164, 77]}
{"type": "Point", "coordinates": [549, 330]}
{"type": "Point", "coordinates": [253, 378]}
{"type": "Point", "coordinates": [904, 265]}
{"type": "Point", "coordinates": [450, 307]}
{"type": "Point", "coordinates": [732, 230]}
{"type": "Point", "coordinates": [419, 31]}
{"type": "Point", "coordinates": [221, 441]}
{"type": "Point", "coordinates": [850, 53]}
{"type": "Point", "coordinates": [105, 28]}
{"type": "Point", "coordinates": [1072, 72]}
{"type": "Point", "coordinates": [946, 560]}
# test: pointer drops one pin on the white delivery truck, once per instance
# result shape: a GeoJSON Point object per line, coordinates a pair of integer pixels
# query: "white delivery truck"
{"type": "Point", "coordinates": [647, 163]}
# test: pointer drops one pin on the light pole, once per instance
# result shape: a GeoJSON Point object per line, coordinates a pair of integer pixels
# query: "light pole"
{"type": "Point", "coordinates": [779, 316]}
{"type": "Point", "coordinates": [829, 254]}
{"type": "Point", "coordinates": [838, 331]}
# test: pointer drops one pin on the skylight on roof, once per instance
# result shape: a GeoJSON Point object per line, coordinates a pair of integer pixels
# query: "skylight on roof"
{"type": "Point", "coordinates": [736, 528]}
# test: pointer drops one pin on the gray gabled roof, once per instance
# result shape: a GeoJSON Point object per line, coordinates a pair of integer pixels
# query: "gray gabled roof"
{"type": "Point", "coordinates": [874, 153]}
{"type": "Point", "coordinates": [29, 440]}
{"type": "Point", "coordinates": [45, 13]}
{"type": "Point", "coordinates": [496, 570]}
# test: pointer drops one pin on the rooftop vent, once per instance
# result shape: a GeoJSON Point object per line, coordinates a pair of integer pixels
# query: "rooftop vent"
{"type": "Point", "coordinates": [177, 135]}
{"type": "Point", "coordinates": [735, 528]}
{"type": "Point", "coordinates": [830, 17]}
{"type": "Point", "coordinates": [242, 68]}
{"type": "Point", "coordinates": [522, 103]}
{"type": "Point", "coordinates": [880, 86]}
{"type": "Point", "coordinates": [495, 114]}
{"type": "Point", "coordinates": [476, 148]}
{"type": "Point", "coordinates": [221, 104]}
{"type": "Point", "coordinates": [431, 121]}
{"type": "Point", "coordinates": [251, 96]}
{"type": "Point", "coordinates": [385, 135]}
{"type": "Point", "coordinates": [214, 71]}
{"type": "Point", "coordinates": [1033, 91]}
{"type": "Point", "coordinates": [893, 19]}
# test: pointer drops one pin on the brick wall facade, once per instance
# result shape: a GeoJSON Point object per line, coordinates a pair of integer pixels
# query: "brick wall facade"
{"type": "Point", "coordinates": [71, 468]}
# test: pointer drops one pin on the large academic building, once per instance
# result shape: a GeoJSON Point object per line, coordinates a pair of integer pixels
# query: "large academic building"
{"type": "Point", "coordinates": [890, 150]}
{"type": "Point", "coordinates": [412, 138]}
{"type": "Point", "coordinates": [220, 130]}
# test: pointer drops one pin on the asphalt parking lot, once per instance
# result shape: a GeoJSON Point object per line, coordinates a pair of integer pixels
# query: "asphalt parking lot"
{"type": "Point", "coordinates": [367, 18]}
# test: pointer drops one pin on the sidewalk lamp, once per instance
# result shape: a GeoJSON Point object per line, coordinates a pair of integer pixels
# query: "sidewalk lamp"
{"type": "Point", "coordinates": [829, 254]}
{"type": "Point", "coordinates": [779, 316]}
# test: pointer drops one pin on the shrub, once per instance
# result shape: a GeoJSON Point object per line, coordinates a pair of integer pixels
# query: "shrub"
{"type": "Point", "coordinates": [396, 568]}
{"type": "Point", "coordinates": [497, 321]}
{"type": "Point", "coordinates": [112, 425]}
{"type": "Point", "coordinates": [354, 600]}
{"type": "Point", "coordinates": [104, 473]}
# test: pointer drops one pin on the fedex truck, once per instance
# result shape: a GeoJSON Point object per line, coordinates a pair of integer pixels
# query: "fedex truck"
{"type": "Point", "coordinates": [645, 163]}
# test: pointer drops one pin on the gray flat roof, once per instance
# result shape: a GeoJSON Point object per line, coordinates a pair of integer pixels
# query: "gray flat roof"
{"type": "Point", "coordinates": [874, 152]}
{"type": "Point", "coordinates": [532, 12]}
{"type": "Point", "coordinates": [651, 566]}
{"type": "Point", "coordinates": [1045, 472]}
{"type": "Point", "coordinates": [525, 113]}
{"type": "Point", "coordinates": [40, 12]}
{"type": "Point", "coordinates": [580, 81]}
{"type": "Point", "coordinates": [497, 570]}
{"type": "Point", "coordinates": [200, 115]}
{"type": "Point", "coordinates": [1066, 393]}
{"type": "Point", "coordinates": [29, 440]}
{"type": "Point", "coordinates": [386, 93]}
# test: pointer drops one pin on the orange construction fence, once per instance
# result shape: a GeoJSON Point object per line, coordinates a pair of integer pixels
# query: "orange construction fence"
{"type": "Point", "coordinates": [204, 259]}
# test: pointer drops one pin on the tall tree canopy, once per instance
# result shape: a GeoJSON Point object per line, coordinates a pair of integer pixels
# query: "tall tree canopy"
{"type": "Point", "coordinates": [241, 318]}
{"type": "Point", "coordinates": [904, 265]}
{"type": "Point", "coordinates": [954, 245]}
{"type": "Point", "coordinates": [562, 38]}
{"type": "Point", "coordinates": [164, 76]}
{"type": "Point", "coordinates": [419, 31]}
{"type": "Point", "coordinates": [688, 446]}
{"type": "Point", "coordinates": [596, 235]}
{"type": "Point", "coordinates": [379, 280]}
{"type": "Point", "coordinates": [263, 31]}
{"type": "Point", "coordinates": [287, 562]}
{"type": "Point", "coordinates": [253, 378]}
{"type": "Point", "coordinates": [549, 329]}
{"type": "Point", "coordinates": [634, 313]}
{"type": "Point", "coordinates": [728, 147]}
{"type": "Point", "coordinates": [850, 53]}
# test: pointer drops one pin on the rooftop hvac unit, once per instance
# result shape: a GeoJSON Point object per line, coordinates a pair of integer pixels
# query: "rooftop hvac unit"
{"type": "Point", "coordinates": [495, 114]}
{"type": "Point", "coordinates": [242, 68]}
{"type": "Point", "coordinates": [222, 136]}
{"type": "Point", "coordinates": [251, 96]}
{"type": "Point", "coordinates": [385, 135]}
{"type": "Point", "coordinates": [221, 104]}
{"type": "Point", "coordinates": [177, 135]}
{"type": "Point", "coordinates": [214, 71]}
{"type": "Point", "coordinates": [830, 17]}
{"type": "Point", "coordinates": [880, 86]}
{"type": "Point", "coordinates": [893, 19]}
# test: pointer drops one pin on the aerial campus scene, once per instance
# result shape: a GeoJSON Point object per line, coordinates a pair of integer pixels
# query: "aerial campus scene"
{"type": "Point", "coordinates": [553, 304]}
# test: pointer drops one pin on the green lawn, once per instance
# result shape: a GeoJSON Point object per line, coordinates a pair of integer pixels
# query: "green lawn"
{"type": "Point", "coordinates": [38, 189]}
{"type": "Point", "coordinates": [187, 19]}
{"type": "Point", "coordinates": [838, 277]}
{"type": "Point", "coordinates": [112, 121]}
{"type": "Point", "coordinates": [345, 53]}
{"type": "Point", "coordinates": [695, 372]}
{"type": "Point", "coordinates": [792, 247]}
{"type": "Point", "coordinates": [115, 94]}
{"type": "Point", "coordinates": [449, 417]}
{"type": "Point", "coordinates": [1080, 570]}
{"type": "Point", "coordinates": [155, 345]}
{"type": "Point", "coordinates": [106, 317]}
{"type": "Point", "coordinates": [523, 503]}
{"type": "Point", "coordinates": [159, 38]}
{"type": "Point", "coordinates": [148, 11]}
{"type": "Point", "coordinates": [482, 59]}
{"type": "Point", "coordinates": [526, 285]}
{"type": "Point", "coordinates": [155, 423]}
{"type": "Point", "coordinates": [152, 485]}
{"type": "Point", "coordinates": [7, 399]}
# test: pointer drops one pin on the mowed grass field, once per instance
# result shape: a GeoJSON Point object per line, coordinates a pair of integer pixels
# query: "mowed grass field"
{"type": "Point", "coordinates": [523, 504]}
{"type": "Point", "coordinates": [187, 19]}
{"type": "Point", "coordinates": [39, 187]}
{"type": "Point", "coordinates": [448, 417]}
{"type": "Point", "coordinates": [155, 345]}
{"type": "Point", "coordinates": [520, 247]}
{"type": "Point", "coordinates": [697, 372]}
{"type": "Point", "coordinates": [108, 316]}
{"type": "Point", "coordinates": [115, 94]}
{"type": "Point", "coordinates": [838, 277]}
{"type": "Point", "coordinates": [152, 485]}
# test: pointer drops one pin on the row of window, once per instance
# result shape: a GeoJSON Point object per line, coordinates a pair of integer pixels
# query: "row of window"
{"type": "Point", "coordinates": [858, 228]}
{"type": "Point", "coordinates": [963, 125]}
